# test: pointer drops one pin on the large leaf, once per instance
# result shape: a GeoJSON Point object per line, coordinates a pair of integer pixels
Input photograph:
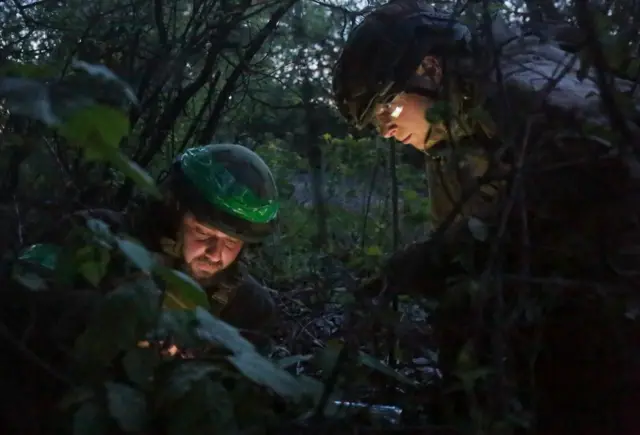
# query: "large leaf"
{"type": "Point", "coordinates": [246, 359]}
{"type": "Point", "coordinates": [478, 229]}
{"type": "Point", "coordinates": [101, 71]}
{"type": "Point", "coordinates": [122, 318]}
{"type": "Point", "coordinates": [101, 231]}
{"type": "Point", "coordinates": [179, 383]}
{"type": "Point", "coordinates": [214, 330]}
{"type": "Point", "coordinates": [77, 396]}
{"type": "Point", "coordinates": [138, 175]}
{"type": "Point", "coordinates": [127, 406]}
{"type": "Point", "coordinates": [93, 263]}
{"type": "Point", "coordinates": [263, 372]}
{"type": "Point", "coordinates": [206, 408]}
{"type": "Point", "coordinates": [326, 358]}
{"type": "Point", "coordinates": [137, 254]}
{"type": "Point", "coordinates": [90, 419]}
{"type": "Point", "coordinates": [179, 325]}
{"type": "Point", "coordinates": [30, 280]}
{"type": "Point", "coordinates": [97, 127]}
{"type": "Point", "coordinates": [182, 291]}
{"type": "Point", "coordinates": [140, 363]}
{"type": "Point", "coordinates": [376, 364]}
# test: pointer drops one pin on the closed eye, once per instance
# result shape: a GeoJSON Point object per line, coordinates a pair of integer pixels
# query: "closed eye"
{"type": "Point", "coordinates": [201, 234]}
{"type": "Point", "coordinates": [231, 244]}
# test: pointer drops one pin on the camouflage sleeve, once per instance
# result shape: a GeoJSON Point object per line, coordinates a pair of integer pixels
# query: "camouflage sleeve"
{"type": "Point", "coordinates": [251, 308]}
{"type": "Point", "coordinates": [448, 184]}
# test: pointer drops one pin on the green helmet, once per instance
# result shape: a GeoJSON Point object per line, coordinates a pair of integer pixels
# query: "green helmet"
{"type": "Point", "coordinates": [228, 187]}
{"type": "Point", "coordinates": [381, 55]}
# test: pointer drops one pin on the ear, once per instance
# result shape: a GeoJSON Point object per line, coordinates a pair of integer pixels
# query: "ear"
{"type": "Point", "coordinates": [430, 67]}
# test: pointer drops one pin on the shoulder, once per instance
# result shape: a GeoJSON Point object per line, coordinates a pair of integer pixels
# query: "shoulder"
{"type": "Point", "coordinates": [252, 306]}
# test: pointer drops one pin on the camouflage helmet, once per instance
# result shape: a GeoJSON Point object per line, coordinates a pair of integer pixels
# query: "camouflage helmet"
{"type": "Point", "coordinates": [228, 187]}
{"type": "Point", "coordinates": [382, 54]}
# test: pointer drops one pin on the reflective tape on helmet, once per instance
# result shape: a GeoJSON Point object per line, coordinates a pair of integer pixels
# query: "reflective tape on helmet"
{"type": "Point", "coordinates": [220, 188]}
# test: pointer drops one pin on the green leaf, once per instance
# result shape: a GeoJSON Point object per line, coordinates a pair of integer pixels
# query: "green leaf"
{"type": "Point", "coordinates": [469, 377]}
{"type": "Point", "coordinates": [288, 361]}
{"type": "Point", "coordinates": [410, 195]}
{"type": "Point", "coordinates": [97, 127]}
{"type": "Point", "coordinates": [140, 364]}
{"type": "Point", "coordinates": [246, 358]}
{"type": "Point", "coordinates": [263, 372]}
{"type": "Point", "coordinates": [90, 419]}
{"type": "Point", "coordinates": [121, 319]}
{"type": "Point", "coordinates": [377, 365]}
{"type": "Point", "coordinates": [602, 21]}
{"type": "Point", "coordinates": [138, 175]}
{"type": "Point", "coordinates": [137, 254]}
{"type": "Point", "coordinates": [327, 358]}
{"type": "Point", "coordinates": [31, 281]}
{"type": "Point", "coordinates": [478, 229]}
{"type": "Point", "coordinates": [93, 263]}
{"type": "Point", "coordinates": [207, 408]}
{"type": "Point", "coordinates": [127, 406]}
{"type": "Point", "coordinates": [100, 229]}
{"type": "Point", "coordinates": [179, 324]}
{"type": "Point", "coordinates": [373, 251]}
{"type": "Point", "coordinates": [466, 359]}
{"type": "Point", "coordinates": [76, 396]}
{"type": "Point", "coordinates": [214, 330]}
{"type": "Point", "coordinates": [633, 69]}
{"type": "Point", "coordinates": [182, 291]}
{"type": "Point", "coordinates": [183, 376]}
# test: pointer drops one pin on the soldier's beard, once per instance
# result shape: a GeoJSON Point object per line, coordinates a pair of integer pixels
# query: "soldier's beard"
{"type": "Point", "coordinates": [203, 275]}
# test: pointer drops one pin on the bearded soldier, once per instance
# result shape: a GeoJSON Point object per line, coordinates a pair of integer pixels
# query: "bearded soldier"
{"type": "Point", "coordinates": [217, 201]}
{"type": "Point", "coordinates": [535, 211]}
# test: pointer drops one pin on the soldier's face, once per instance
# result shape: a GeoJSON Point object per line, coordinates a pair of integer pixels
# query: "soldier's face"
{"type": "Point", "coordinates": [207, 250]}
{"type": "Point", "coordinates": [404, 118]}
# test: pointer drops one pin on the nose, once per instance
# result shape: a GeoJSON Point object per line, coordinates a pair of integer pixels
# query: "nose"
{"type": "Point", "coordinates": [212, 252]}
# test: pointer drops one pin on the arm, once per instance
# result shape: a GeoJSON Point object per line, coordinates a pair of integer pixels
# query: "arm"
{"type": "Point", "coordinates": [252, 307]}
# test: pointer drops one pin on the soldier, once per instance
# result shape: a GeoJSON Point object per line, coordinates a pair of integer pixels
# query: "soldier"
{"type": "Point", "coordinates": [507, 156]}
{"type": "Point", "coordinates": [217, 199]}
